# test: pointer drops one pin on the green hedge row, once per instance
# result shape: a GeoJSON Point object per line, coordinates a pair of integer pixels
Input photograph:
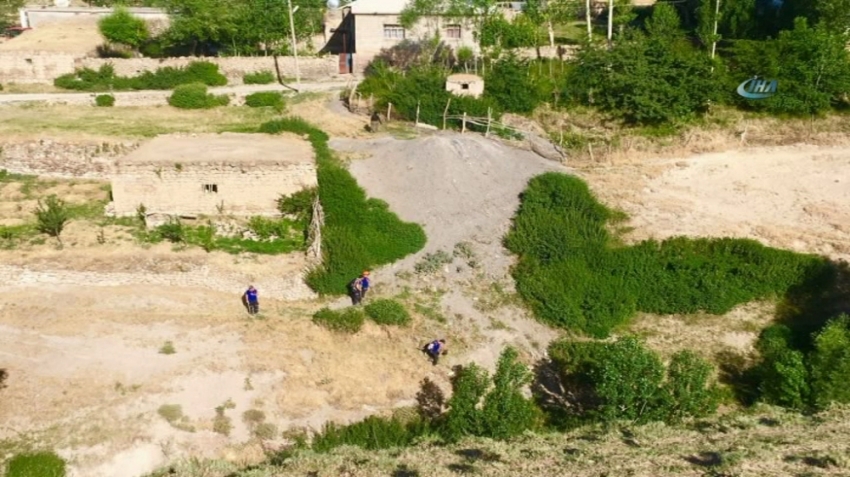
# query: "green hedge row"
{"type": "Point", "coordinates": [360, 233]}
{"type": "Point", "coordinates": [573, 276]}
{"type": "Point", "coordinates": [104, 79]}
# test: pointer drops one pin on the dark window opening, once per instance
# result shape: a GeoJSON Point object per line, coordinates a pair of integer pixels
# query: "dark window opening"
{"type": "Point", "coordinates": [464, 86]}
{"type": "Point", "coordinates": [212, 188]}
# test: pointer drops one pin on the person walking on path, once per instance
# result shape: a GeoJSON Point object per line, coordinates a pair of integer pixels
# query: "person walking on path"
{"type": "Point", "coordinates": [434, 349]}
{"type": "Point", "coordinates": [251, 300]}
{"type": "Point", "coordinates": [358, 287]}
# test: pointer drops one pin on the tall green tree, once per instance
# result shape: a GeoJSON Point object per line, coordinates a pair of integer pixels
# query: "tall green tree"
{"type": "Point", "coordinates": [124, 28]}
{"type": "Point", "coordinates": [811, 65]}
{"type": "Point", "coordinates": [834, 14]}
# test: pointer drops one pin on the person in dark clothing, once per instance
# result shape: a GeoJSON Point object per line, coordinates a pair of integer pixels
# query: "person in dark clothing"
{"type": "Point", "coordinates": [358, 288]}
{"type": "Point", "coordinates": [251, 300]}
{"type": "Point", "coordinates": [434, 349]}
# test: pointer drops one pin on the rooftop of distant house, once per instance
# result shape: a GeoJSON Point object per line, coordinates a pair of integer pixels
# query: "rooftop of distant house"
{"type": "Point", "coordinates": [231, 148]}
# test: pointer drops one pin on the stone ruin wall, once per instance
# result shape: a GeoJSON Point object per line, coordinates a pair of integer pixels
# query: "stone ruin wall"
{"type": "Point", "coordinates": [59, 159]}
{"type": "Point", "coordinates": [44, 67]}
{"type": "Point", "coordinates": [242, 188]}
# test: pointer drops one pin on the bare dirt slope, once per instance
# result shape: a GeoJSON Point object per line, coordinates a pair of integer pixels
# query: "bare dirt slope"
{"type": "Point", "coordinates": [79, 36]}
{"type": "Point", "coordinates": [792, 197]}
{"type": "Point", "coordinates": [460, 188]}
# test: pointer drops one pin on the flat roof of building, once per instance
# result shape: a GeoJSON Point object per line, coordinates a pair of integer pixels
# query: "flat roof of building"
{"type": "Point", "coordinates": [223, 148]}
{"type": "Point", "coordinates": [464, 78]}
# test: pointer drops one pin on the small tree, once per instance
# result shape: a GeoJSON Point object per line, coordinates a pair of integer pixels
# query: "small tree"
{"type": "Point", "coordinates": [687, 390]}
{"type": "Point", "coordinates": [506, 412]}
{"type": "Point", "coordinates": [830, 363]}
{"type": "Point", "coordinates": [464, 418]}
{"type": "Point", "coordinates": [51, 216]}
{"type": "Point", "coordinates": [123, 28]}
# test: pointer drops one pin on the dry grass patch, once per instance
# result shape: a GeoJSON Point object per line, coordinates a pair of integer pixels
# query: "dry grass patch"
{"type": "Point", "coordinates": [57, 121]}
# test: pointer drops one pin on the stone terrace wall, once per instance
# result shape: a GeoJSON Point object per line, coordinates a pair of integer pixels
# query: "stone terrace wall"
{"type": "Point", "coordinates": [59, 159]}
{"type": "Point", "coordinates": [44, 67]}
{"type": "Point", "coordinates": [34, 66]}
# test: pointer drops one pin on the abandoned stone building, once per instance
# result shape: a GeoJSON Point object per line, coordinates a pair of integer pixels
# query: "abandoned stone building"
{"type": "Point", "coordinates": [233, 174]}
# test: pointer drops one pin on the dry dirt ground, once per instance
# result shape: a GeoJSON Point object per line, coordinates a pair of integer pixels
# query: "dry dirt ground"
{"type": "Point", "coordinates": [82, 328]}
{"type": "Point", "coordinates": [79, 36]}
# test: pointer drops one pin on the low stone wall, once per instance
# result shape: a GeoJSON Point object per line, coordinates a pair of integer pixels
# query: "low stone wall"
{"type": "Point", "coordinates": [34, 66]}
{"type": "Point", "coordinates": [44, 67]}
{"type": "Point", "coordinates": [46, 158]}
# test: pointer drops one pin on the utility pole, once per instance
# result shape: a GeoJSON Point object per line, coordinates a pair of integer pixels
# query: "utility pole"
{"type": "Point", "coordinates": [610, 21]}
{"type": "Point", "coordinates": [294, 41]}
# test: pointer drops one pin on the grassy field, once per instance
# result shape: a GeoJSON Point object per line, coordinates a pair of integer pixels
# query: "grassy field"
{"type": "Point", "coordinates": [130, 122]}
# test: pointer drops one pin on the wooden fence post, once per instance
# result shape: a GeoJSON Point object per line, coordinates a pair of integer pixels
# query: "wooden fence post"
{"type": "Point", "coordinates": [446, 112]}
{"type": "Point", "coordinates": [417, 112]}
{"type": "Point", "coordinates": [489, 120]}
{"type": "Point", "coordinates": [463, 127]}
{"type": "Point", "coordinates": [389, 111]}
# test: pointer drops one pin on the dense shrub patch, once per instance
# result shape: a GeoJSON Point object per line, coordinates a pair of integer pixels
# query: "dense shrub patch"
{"type": "Point", "coordinates": [260, 77]}
{"type": "Point", "coordinates": [573, 276]}
{"type": "Point", "coordinates": [195, 96]}
{"type": "Point", "coordinates": [104, 100]}
{"type": "Point", "coordinates": [623, 380]}
{"type": "Point", "coordinates": [39, 464]}
{"type": "Point", "coordinates": [372, 433]}
{"type": "Point", "coordinates": [124, 28]}
{"type": "Point", "coordinates": [347, 320]}
{"type": "Point", "coordinates": [388, 312]}
{"type": "Point", "coordinates": [104, 79]}
{"type": "Point", "coordinates": [262, 99]}
{"type": "Point", "coordinates": [274, 236]}
{"type": "Point", "coordinates": [359, 233]}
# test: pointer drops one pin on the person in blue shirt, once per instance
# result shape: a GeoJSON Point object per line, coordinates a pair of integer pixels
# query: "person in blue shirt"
{"type": "Point", "coordinates": [434, 349]}
{"type": "Point", "coordinates": [251, 300]}
{"type": "Point", "coordinates": [358, 287]}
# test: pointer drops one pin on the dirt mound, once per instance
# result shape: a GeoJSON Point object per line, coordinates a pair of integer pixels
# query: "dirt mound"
{"type": "Point", "coordinates": [459, 187]}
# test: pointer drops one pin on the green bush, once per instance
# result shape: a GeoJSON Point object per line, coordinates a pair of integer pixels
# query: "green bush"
{"type": "Point", "coordinates": [387, 312]}
{"type": "Point", "coordinates": [265, 99]}
{"type": "Point", "coordinates": [51, 215]}
{"type": "Point", "coordinates": [500, 413]}
{"type": "Point", "coordinates": [260, 77]}
{"type": "Point", "coordinates": [625, 380]}
{"type": "Point", "coordinates": [104, 79]}
{"type": "Point", "coordinates": [348, 320]}
{"type": "Point", "coordinates": [298, 204]}
{"type": "Point", "coordinates": [463, 418]}
{"type": "Point", "coordinates": [104, 100]}
{"type": "Point", "coordinates": [123, 28]}
{"type": "Point", "coordinates": [372, 433]}
{"type": "Point", "coordinates": [39, 464]}
{"type": "Point", "coordinates": [830, 363]}
{"type": "Point", "coordinates": [506, 411]}
{"type": "Point", "coordinates": [195, 96]}
{"type": "Point", "coordinates": [573, 275]}
{"type": "Point", "coordinates": [509, 83]}
{"type": "Point", "coordinates": [359, 233]}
